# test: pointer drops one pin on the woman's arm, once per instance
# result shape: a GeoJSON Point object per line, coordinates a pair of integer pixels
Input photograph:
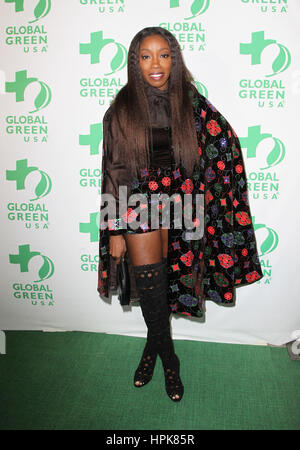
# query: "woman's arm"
{"type": "Point", "coordinates": [114, 174]}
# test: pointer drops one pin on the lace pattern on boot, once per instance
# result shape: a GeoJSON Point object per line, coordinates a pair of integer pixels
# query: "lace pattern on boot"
{"type": "Point", "coordinates": [151, 285]}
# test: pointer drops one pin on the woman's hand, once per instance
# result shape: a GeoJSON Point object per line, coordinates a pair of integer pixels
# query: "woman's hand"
{"type": "Point", "coordinates": [117, 247]}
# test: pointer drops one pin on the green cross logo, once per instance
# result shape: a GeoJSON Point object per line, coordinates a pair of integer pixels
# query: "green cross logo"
{"type": "Point", "coordinates": [254, 138]}
{"type": "Point", "coordinates": [19, 86]}
{"type": "Point", "coordinates": [92, 227]}
{"type": "Point", "coordinates": [41, 10]}
{"type": "Point", "coordinates": [258, 44]}
{"type": "Point", "coordinates": [93, 139]}
{"type": "Point", "coordinates": [96, 45]}
{"type": "Point", "coordinates": [25, 255]}
{"type": "Point", "coordinates": [197, 7]}
{"type": "Point", "coordinates": [22, 171]}
{"type": "Point", "coordinates": [270, 242]}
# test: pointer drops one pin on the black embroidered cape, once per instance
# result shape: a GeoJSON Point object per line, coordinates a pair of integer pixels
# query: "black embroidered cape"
{"type": "Point", "coordinates": [226, 256]}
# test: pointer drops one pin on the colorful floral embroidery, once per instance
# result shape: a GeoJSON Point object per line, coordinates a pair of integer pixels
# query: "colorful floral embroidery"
{"type": "Point", "coordinates": [187, 258]}
{"type": "Point", "coordinates": [243, 218]}
{"type": "Point", "coordinates": [166, 181]}
{"type": "Point", "coordinates": [226, 256]}
{"type": "Point", "coordinates": [153, 185]}
{"type": "Point", "coordinates": [221, 165]}
{"type": "Point", "coordinates": [220, 279]}
{"type": "Point", "coordinates": [213, 127]}
{"type": "Point", "coordinates": [252, 276]}
{"type": "Point", "coordinates": [225, 260]}
{"type": "Point", "coordinates": [187, 187]}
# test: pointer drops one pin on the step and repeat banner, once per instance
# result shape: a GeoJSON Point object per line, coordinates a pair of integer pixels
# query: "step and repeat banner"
{"type": "Point", "coordinates": [62, 63]}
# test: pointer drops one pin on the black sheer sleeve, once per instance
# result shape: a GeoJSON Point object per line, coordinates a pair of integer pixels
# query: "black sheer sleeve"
{"type": "Point", "coordinates": [114, 174]}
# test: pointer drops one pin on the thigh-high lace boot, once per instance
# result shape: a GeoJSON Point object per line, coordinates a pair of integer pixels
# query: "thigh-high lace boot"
{"type": "Point", "coordinates": [148, 277]}
{"type": "Point", "coordinates": [151, 281]}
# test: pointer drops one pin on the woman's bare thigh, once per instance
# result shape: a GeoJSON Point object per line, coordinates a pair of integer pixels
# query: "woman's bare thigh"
{"type": "Point", "coordinates": [147, 248]}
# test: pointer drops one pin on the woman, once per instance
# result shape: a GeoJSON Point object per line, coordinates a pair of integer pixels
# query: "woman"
{"type": "Point", "coordinates": [162, 137]}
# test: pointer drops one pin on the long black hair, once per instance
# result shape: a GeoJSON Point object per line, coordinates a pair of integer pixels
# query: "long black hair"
{"type": "Point", "coordinates": [130, 113]}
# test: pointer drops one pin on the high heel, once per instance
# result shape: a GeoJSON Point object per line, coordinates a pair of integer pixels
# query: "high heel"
{"type": "Point", "coordinates": [144, 372]}
{"type": "Point", "coordinates": [173, 384]}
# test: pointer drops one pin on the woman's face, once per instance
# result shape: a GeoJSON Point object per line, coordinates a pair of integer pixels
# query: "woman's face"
{"type": "Point", "coordinates": [155, 61]}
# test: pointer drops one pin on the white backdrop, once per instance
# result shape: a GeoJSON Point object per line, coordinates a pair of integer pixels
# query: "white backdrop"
{"type": "Point", "coordinates": [61, 64]}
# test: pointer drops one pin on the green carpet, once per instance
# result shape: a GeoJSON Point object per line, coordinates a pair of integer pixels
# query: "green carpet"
{"type": "Point", "coordinates": [84, 381]}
